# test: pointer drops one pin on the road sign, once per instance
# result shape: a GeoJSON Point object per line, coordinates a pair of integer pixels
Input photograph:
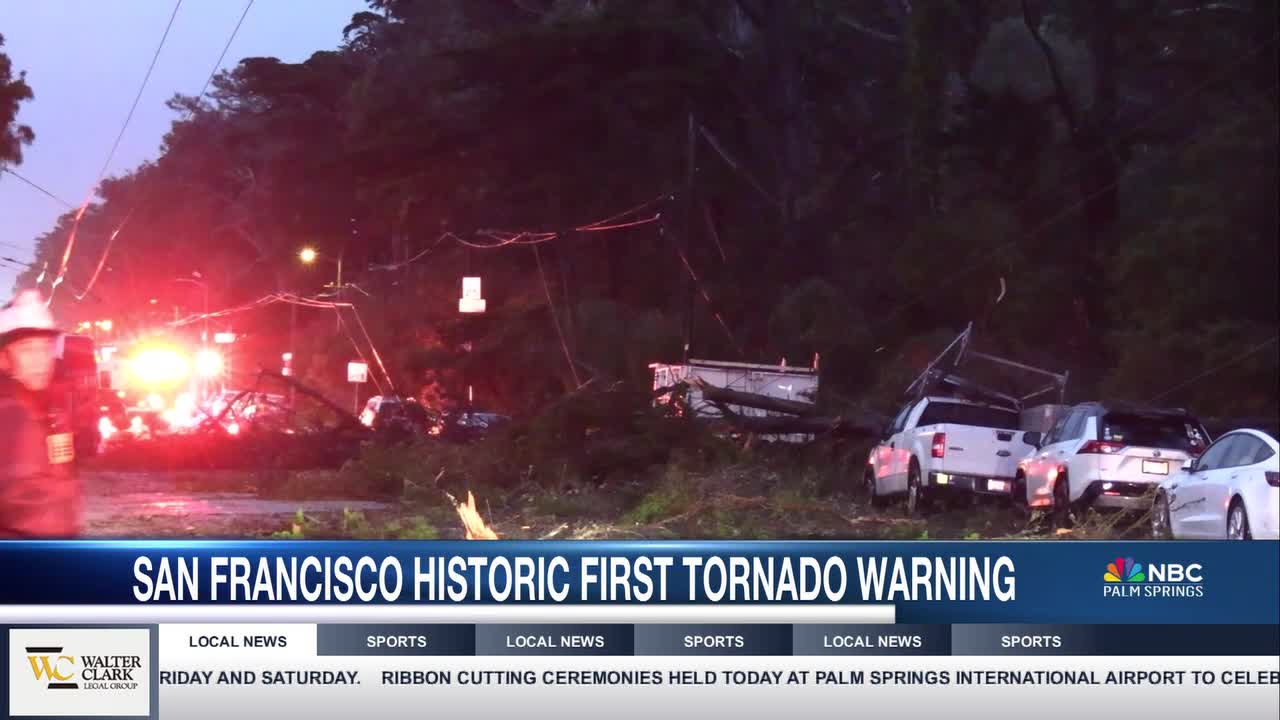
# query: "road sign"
{"type": "Point", "coordinates": [471, 300]}
{"type": "Point", "coordinates": [357, 372]}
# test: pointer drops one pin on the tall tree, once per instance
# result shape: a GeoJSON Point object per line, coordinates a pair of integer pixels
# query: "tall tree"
{"type": "Point", "coordinates": [13, 91]}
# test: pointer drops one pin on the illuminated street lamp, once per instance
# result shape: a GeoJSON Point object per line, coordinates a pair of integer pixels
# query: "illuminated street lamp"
{"type": "Point", "coordinates": [308, 256]}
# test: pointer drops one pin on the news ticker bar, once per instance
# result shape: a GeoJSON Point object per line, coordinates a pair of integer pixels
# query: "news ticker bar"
{"type": "Point", "coordinates": [758, 639]}
{"type": "Point", "coordinates": [940, 582]}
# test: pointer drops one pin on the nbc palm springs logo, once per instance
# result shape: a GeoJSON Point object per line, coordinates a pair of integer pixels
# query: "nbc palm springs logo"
{"type": "Point", "coordinates": [1127, 578]}
{"type": "Point", "coordinates": [80, 672]}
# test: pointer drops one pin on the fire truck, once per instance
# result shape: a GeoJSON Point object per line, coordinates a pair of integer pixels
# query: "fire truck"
{"type": "Point", "coordinates": [76, 385]}
{"type": "Point", "coordinates": [159, 382]}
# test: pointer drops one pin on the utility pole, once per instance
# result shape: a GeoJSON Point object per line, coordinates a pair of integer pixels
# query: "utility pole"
{"type": "Point", "coordinates": [337, 296]}
{"type": "Point", "coordinates": [293, 334]}
{"type": "Point", "coordinates": [687, 236]}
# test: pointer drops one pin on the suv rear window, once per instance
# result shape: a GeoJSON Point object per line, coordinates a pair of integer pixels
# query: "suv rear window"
{"type": "Point", "coordinates": [976, 415]}
{"type": "Point", "coordinates": [1172, 433]}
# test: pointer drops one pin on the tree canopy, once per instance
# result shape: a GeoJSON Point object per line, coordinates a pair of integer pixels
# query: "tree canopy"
{"type": "Point", "coordinates": [1092, 183]}
{"type": "Point", "coordinates": [13, 91]}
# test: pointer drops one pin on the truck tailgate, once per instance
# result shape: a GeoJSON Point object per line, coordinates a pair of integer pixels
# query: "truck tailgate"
{"type": "Point", "coordinates": [978, 451]}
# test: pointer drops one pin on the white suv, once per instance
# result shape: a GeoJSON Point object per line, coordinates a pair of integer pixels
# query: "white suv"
{"type": "Point", "coordinates": [1107, 455]}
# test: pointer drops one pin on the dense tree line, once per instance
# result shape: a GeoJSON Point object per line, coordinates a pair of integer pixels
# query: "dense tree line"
{"type": "Point", "coordinates": [1092, 183]}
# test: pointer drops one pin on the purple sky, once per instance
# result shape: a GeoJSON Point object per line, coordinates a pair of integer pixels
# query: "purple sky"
{"type": "Point", "coordinates": [85, 60]}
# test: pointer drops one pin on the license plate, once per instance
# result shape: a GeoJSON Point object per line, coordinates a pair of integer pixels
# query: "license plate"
{"type": "Point", "coordinates": [1155, 467]}
{"type": "Point", "coordinates": [997, 486]}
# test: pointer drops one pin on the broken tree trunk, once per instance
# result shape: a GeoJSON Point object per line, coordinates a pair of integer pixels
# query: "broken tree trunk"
{"type": "Point", "coordinates": [719, 395]}
{"type": "Point", "coordinates": [783, 425]}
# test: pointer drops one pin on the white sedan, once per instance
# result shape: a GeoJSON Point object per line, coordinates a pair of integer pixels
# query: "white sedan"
{"type": "Point", "coordinates": [1231, 491]}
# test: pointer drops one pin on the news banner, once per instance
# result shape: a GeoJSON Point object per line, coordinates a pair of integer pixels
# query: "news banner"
{"type": "Point", "coordinates": [216, 629]}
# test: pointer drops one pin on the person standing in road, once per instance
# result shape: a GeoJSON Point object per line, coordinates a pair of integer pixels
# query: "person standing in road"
{"type": "Point", "coordinates": [39, 492]}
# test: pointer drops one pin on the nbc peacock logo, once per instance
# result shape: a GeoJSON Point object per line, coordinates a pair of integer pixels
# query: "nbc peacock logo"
{"type": "Point", "coordinates": [1124, 570]}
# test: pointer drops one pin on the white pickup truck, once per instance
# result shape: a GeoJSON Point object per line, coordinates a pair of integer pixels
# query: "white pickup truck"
{"type": "Point", "coordinates": [945, 443]}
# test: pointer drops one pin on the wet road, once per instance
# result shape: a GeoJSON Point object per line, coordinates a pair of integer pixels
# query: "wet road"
{"type": "Point", "coordinates": [146, 505]}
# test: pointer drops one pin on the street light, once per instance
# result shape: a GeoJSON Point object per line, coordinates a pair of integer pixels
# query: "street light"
{"type": "Point", "coordinates": [204, 287]}
{"type": "Point", "coordinates": [308, 256]}
{"type": "Point", "coordinates": [204, 335]}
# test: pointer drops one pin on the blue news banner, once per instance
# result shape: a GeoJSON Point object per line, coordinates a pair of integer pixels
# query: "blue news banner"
{"type": "Point", "coordinates": [927, 582]}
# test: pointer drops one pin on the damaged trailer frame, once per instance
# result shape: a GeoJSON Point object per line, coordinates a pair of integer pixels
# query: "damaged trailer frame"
{"type": "Point", "coordinates": [940, 377]}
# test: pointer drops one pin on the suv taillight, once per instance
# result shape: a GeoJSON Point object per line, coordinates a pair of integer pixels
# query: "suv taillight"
{"type": "Point", "coordinates": [939, 448]}
{"type": "Point", "coordinates": [1100, 447]}
{"type": "Point", "coordinates": [1273, 479]}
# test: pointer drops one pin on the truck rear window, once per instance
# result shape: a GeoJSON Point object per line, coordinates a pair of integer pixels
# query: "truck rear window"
{"type": "Point", "coordinates": [976, 415]}
{"type": "Point", "coordinates": [1156, 432]}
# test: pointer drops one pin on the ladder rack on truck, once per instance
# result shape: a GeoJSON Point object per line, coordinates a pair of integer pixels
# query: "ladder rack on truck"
{"type": "Point", "coordinates": [941, 376]}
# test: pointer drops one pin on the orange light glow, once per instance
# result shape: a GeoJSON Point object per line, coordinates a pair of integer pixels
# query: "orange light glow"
{"type": "Point", "coordinates": [159, 367]}
{"type": "Point", "coordinates": [208, 363]}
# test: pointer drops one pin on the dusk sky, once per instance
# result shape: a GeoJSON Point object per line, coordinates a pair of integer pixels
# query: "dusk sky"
{"type": "Point", "coordinates": [85, 60]}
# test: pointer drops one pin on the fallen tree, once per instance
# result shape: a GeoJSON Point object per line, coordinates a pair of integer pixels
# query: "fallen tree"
{"type": "Point", "coordinates": [718, 395]}
{"type": "Point", "coordinates": [790, 417]}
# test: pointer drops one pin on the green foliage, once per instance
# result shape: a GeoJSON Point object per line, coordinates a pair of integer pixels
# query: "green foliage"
{"type": "Point", "coordinates": [416, 528]}
{"type": "Point", "coordinates": [13, 91]}
{"type": "Point", "coordinates": [296, 531]}
{"type": "Point", "coordinates": [677, 493]}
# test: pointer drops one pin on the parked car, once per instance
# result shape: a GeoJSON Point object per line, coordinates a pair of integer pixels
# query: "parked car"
{"type": "Point", "coordinates": [468, 425]}
{"type": "Point", "coordinates": [1232, 491]}
{"type": "Point", "coordinates": [1107, 455]}
{"type": "Point", "coordinates": [397, 418]}
{"type": "Point", "coordinates": [375, 405]}
{"type": "Point", "coordinates": [940, 443]}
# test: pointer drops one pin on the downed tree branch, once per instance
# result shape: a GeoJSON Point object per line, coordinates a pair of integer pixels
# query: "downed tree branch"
{"type": "Point", "coordinates": [718, 395]}
{"type": "Point", "coordinates": [475, 527]}
{"type": "Point", "coordinates": [808, 423]}
{"type": "Point", "coordinates": [773, 425]}
{"type": "Point", "coordinates": [346, 417]}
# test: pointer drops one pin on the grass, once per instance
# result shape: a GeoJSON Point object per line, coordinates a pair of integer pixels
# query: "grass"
{"type": "Point", "coordinates": [675, 495]}
{"type": "Point", "coordinates": [355, 525]}
{"type": "Point", "coordinates": [703, 492]}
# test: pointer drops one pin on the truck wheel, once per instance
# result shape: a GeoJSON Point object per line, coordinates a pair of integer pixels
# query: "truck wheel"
{"type": "Point", "coordinates": [1018, 498]}
{"type": "Point", "coordinates": [1161, 527]}
{"type": "Point", "coordinates": [869, 485]}
{"type": "Point", "coordinates": [915, 490]}
{"type": "Point", "coordinates": [1062, 516]}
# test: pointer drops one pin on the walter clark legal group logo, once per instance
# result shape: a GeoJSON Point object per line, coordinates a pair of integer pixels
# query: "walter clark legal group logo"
{"type": "Point", "coordinates": [65, 671]}
{"type": "Point", "coordinates": [1127, 578]}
